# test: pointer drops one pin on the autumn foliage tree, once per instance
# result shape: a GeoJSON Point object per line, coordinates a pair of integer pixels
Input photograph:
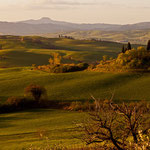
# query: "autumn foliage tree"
{"type": "Point", "coordinates": [55, 60]}
{"type": "Point", "coordinates": [134, 59]}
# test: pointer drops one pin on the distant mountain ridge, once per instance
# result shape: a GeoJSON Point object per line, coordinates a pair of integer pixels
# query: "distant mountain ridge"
{"type": "Point", "coordinates": [133, 36]}
{"type": "Point", "coordinates": [44, 20]}
{"type": "Point", "coordinates": [47, 25]}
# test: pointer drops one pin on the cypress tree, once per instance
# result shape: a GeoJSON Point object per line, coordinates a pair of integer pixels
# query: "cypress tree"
{"type": "Point", "coordinates": [129, 46]}
{"type": "Point", "coordinates": [123, 49]}
{"type": "Point", "coordinates": [148, 45]}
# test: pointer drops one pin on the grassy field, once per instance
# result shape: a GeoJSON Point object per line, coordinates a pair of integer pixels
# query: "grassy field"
{"type": "Point", "coordinates": [76, 86]}
{"type": "Point", "coordinates": [18, 53]}
{"type": "Point", "coordinates": [20, 130]}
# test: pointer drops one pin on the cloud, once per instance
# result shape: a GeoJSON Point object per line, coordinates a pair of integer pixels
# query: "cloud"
{"type": "Point", "coordinates": [44, 4]}
{"type": "Point", "coordinates": [57, 4]}
{"type": "Point", "coordinates": [64, 4]}
{"type": "Point", "coordinates": [69, 2]}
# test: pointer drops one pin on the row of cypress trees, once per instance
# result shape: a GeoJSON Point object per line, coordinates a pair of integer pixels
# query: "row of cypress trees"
{"type": "Point", "coordinates": [129, 47]}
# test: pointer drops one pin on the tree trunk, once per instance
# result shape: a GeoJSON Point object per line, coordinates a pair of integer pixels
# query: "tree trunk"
{"type": "Point", "coordinates": [135, 137]}
{"type": "Point", "coordinates": [117, 146]}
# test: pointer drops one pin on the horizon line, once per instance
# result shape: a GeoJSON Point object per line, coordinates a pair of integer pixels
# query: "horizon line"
{"type": "Point", "coordinates": [17, 21]}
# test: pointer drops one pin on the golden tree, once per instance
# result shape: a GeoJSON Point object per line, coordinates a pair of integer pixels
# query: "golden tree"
{"type": "Point", "coordinates": [55, 60]}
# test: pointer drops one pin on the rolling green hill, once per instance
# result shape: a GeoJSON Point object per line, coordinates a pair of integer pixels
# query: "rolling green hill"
{"type": "Point", "coordinates": [25, 51]}
{"type": "Point", "coordinates": [20, 130]}
{"type": "Point", "coordinates": [76, 86]}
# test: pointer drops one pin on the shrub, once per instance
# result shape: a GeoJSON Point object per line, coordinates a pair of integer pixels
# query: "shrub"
{"type": "Point", "coordinates": [36, 91]}
{"type": "Point", "coordinates": [15, 101]}
{"type": "Point", "coordinates": [68, 68]}
{"type": "Point", "coordinates": [105, 58]}
{"type": "Point", "coordinates": [91, 66]}
{"type": "Point", "coordinates": [134, 59]}
{"type": "Point", "coordinates": [130, 60]}
{"type": "Point", "coordinates": [75, 106]}
{"type": "Point", "coordinates": [81, 106]}
{"type": "Point", "coordinates": [83, 66]}
{"type": "Point", "coordinates": [55, 65]}
{"type": "Point", "coordinates": [55, 60]}
{"type": "Point", "coordinates": [63, 68]}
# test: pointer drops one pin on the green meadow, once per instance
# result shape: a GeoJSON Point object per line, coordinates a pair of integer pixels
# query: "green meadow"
{"type": "Point", "coordinates": [19, 53]}
{"type": "Point", "coordinates": [21, 129]}
{"type": "Point", "coordinates": [76, 86]}
{"type": "Point", "coordinates": [39, 128]}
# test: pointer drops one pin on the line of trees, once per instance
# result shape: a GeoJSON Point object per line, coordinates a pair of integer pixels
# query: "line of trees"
{"type": "Point", "coordinates": [65, 36]}
{"type": "Point", "coordinates": [129, 47]}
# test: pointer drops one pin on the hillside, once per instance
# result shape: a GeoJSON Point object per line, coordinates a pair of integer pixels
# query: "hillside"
{"type": "Point", "coordinates": [25, 51]}
{"type": "Point", "coordinates": [20, 130]}
{"type": "Point", "coordinates": [76, 86]}
{"type": "Point", "coordinates": [134, 36]}
{"type": "Point", "coordinates": [11, 28]}
{"type": "Point", "coordinates": [42, 127]}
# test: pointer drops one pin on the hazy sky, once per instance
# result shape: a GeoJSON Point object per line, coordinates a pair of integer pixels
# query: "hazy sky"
{"type": "Point", "coordinates": [80, 11]}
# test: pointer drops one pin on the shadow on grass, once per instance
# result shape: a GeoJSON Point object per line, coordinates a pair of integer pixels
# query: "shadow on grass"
{"type": "Point", "coordinates": [4, 121]}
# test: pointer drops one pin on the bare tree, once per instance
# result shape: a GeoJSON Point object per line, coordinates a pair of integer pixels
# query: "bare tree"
{"type": "Point", "coordinates": [134, 116]}
{"type": "Point", "coordinates": [112, 123]}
